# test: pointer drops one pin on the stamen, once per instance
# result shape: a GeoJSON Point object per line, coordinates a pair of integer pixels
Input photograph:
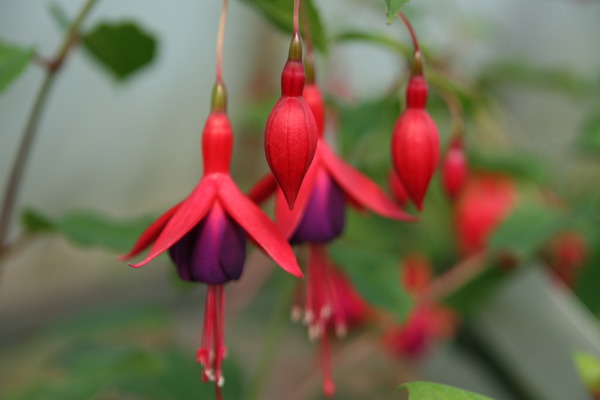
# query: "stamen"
{"type": "Point", "coordinates": [328, 384]}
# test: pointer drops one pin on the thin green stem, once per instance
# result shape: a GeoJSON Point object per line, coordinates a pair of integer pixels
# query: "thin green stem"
{"type": "Point", "coordinates": [273, 338]}
{"type": "Point", "coordinates": [18, 168]}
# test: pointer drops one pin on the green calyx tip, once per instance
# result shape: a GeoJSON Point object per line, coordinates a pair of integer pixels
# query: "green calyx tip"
{"type": "Point", "coordinates": [417, 64]}
{"type": "Point", "coordinates": [295, 53]}
{"type": "Point", "coordinates": [218, 101]}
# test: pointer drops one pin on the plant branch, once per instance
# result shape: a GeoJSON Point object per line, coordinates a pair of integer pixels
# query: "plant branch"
{"type": "Point", "coordinates": [16, 174]}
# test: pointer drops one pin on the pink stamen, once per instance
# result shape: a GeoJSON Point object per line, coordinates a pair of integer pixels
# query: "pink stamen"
{"type": "Point", "coordinates": [212, 350]}
{"type": "Point", "coordinates": [328, 383]}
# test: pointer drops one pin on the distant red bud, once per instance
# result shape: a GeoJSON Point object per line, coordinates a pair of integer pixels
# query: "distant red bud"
{"type": "Point", "coordinates": [415, 152]}
{"type": "Point", "coordinates": [314, 99]}
{"type": "Point", "coordinates": [454, 169]}
{"type": "Point", "coordinates": [291, 134]}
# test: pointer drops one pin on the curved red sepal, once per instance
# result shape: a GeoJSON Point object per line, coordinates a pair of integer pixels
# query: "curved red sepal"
{"type": "Point", "coordinates": [150, 234]}
{"type": "Point", "coordinates": [287, 220]}
{"type": "Point", "coordinates": [263, 189]}
{"type": "Point", "coordinates": [258, 226]}
{"type": "Point", "coordinates": [188, 214]}
{"type": "Point", "coordinates": [359, 188]}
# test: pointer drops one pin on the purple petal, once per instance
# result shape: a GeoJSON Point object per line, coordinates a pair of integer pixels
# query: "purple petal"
{"type": "Point", "coordinates": [213, 252]}
{"type": "Point", "coordinates": [324, 217]}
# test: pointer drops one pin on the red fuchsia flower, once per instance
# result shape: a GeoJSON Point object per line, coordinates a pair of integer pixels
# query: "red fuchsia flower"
{"type": "Point", "coordinates": [205, 234]}
{"type": "Point", "coordinates": [291, 130]}
{"type": "Point", "coordinates": [415, 142]}
{"type": "Point", "coordinates": [428, 321]}
{"type": "Point", "coordinates": [567, 253]}
{"type": "Point", "coordinates": [454, 168]}
{"type": "Point", "coordinates": [331, 307]}
{"type": "Point", "coordinates": [319, 213]}
{"type": "Point", "coordinates": [486, 200]}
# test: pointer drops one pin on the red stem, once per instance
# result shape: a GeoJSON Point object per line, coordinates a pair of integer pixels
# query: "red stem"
{"type": "Point", "coordinates": [220, 38]}
{"type": "Point", "coordinates": [413, 35]}
{"type": "Point", "coordinates": [296, 23]}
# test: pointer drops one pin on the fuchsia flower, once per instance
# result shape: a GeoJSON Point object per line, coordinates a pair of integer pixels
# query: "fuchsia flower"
{"type": "Point", "coordinates": [415, 142]}
{"type": "Point", "coordinates": [291, 130]}
{"type": "Point", "coordinates": [454, 168]}
{"type": "Point", "coordinates": [427, 321]}
{"type": "Point", "coordinates": [205, 234]}
{"type": "Point", "coordinates": [567, 253]}
{"type": "Point", "coordinates": [319, 213]}
{"type": "Point", "coordinates": [331, 307]}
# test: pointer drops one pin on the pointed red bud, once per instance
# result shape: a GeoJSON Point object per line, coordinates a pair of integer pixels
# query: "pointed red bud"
{"type": "Point", "coordinates": [314, 99]}
{"type": "Point", "coordinates": [291, 132]}
{"type": "Point", "coordinates": [454, 169]}
{"type": "Point", "coordinates": [217, 143]}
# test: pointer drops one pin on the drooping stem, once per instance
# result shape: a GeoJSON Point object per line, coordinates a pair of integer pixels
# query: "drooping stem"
{"type": "Point", "coordinates": [417, 67]}
{"type": "Point", "coordinates": [18, 168]}
{"type": "Point", "coordinates": [309, 59]}
{"type": "Point", "coordinates": [456, 112]}
{"type": "Point", "coordinates": [220, 39]}
{"type": "Point", "coordinates": [296, 16]}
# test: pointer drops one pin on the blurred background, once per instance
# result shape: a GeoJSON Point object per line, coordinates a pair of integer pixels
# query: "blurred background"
{"type": "Point", "coordinates": [129, 149]}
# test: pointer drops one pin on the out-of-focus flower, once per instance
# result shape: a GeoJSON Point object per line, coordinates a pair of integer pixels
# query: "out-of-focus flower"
{"type": "Point", "coordinates": [454, 168]}
{"type": "Point", "coordinates": [567, 253]}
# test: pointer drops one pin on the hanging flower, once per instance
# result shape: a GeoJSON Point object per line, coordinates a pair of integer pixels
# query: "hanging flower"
{"type": "Point", "coordinates": [567, 252]}
{"type": "Point", "coordinates": [454, 168]}
{"type": "Point", "coordinates": [205, 234]}
{"type": "Point", "coordinates": [319, 214]}
{"type": "Point", "coordinates": [427, 321]}
{"type": "Point", "coordinates": [291, 130]}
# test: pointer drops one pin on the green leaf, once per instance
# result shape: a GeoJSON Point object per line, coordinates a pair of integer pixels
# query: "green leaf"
{"type": "Point", "coordinates": [437, 391]}
{"type": "Point", "coordinates": [392, 8]}
{"type": "Point", "coordinates": [59, 15]}
{"type": "Point", "coordinates": [13, 60]}
{"type": "Point", "coordinates": [35, 222]}
{"type": "Point", "coordinates": [89, 228]}
{"type": "Point", "coordinates": [375, 276]}
{"type": "Point", "coordinates": [588, 367]}
{"type": "Point", "coordinates": [374, 38]}
{"type": "Point", "coordinates": [526, 230]}
{"type": "Point", "coordinates": [589, 136]}
{"type": "Point", "coordinates": [280, 14]}
{"type": "Point", "coordinates": [122, 48]}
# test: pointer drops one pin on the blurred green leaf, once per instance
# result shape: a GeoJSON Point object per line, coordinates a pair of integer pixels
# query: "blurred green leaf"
{"type": "Point", "coordinates": [392, 8]}
{"type": "Point", "coordinates": [519, 165]}
{"type": "Point", "coordinates": [35, 222]}
{"type": "Point", "coordinates": [88, 228]}
{"type": "Point", "coordinates": [437, 391]}
{"type": "Point", "coordinates": [589, 136]}
{"type": "Point", "coordinates": [526, 230]}
{"type": "Point", "coordinates": [375, 276]}
{"type": "Point", "coordinates": [13, 60]}
{"type": "Point", "coordinates": [587, 281]}
{"type": "Point", "coordinates": [280, 14]}
{"type": "Point", "coordinates": [122, 48]}
{"type": "Point", "coordinates": [521, 73]}
{"type": "Point", "coordinates": [59, 15]}
{"type": "Point", "coordinates": [374, 38]}
{"type": "Point", "coordinates": [588, 366]}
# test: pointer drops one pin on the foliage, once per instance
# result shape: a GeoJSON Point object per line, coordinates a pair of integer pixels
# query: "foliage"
{"type": "Point", "coordinates": [13, 61]}
{"type": "Point", "coordinates": [437, 391]}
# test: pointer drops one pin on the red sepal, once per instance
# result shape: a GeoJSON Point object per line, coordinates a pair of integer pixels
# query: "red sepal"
{"type": "Point", "coordinates": [263, 189]}
{"type": "Point", "coordinates": [257, 225]}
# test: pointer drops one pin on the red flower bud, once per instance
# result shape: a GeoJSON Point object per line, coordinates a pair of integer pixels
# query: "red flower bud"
{"type": "Point", "coordinates": [415, 143]}
{"type": "Point", "coordinates": [484, 203]}
{"type": "Point", "coordinates": [568, 252]}
{"type": "Point", "coordinates": [291, 131]}
{"type": "Point", "coordinates": [454, 169]}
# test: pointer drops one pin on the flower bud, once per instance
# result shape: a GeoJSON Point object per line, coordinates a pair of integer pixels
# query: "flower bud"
{"type": "Point", "coordinates": [397, 189]}
{"type": "Point", "coordinates": [454, 169]}
{"type": "Point", "coordinates": [415, 152]}
{"type": "Point", "coordinates": [291, 132]}
{"type": "Point", "coordinates": [314, 99]}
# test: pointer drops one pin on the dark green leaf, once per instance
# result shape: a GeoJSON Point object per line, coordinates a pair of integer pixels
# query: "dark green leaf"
{"type": "Point", "coordinates": [122, 48]}
{"type": "Point", "coordinates": [526, 230]}
{"type": "Point", "coordinates": [589, 136]}
{"type": "Point", "coordinates": [280, 14]}
{"type": "Point", "coordinates": [588, 367]}
{"type": "Point", "coordinates": [35, 222]}
{"type": "Point", "coordinates": [437, 391]}
{"type": "Point", "coordinates": [392, 8]}
{"type": "Point", "coordinates": [375, 276]}
{"type": "Point", "coordinates": [374, 38]}
{"type": "Point", "coordinates": [13, 60]}
{"type": "Point", "coordinates": [587, 281]}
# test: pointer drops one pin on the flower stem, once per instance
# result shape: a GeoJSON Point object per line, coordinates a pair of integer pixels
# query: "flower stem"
{"type": "Point", "coordinates": [296, 16]}
{"type": "Point", "coordinates": [220, 39]}
{"type": "Point", "coordinates": [18, 168]}
{"type": "Point", "coordinates": [272, 340]}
